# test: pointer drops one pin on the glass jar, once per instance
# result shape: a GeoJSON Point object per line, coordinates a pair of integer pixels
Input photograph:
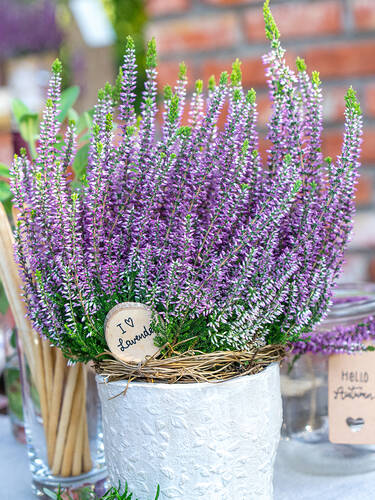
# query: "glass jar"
{"type": "Point", "coordinates": [304, 385]}
{"type": "Point", "coordinates": [62, 422]}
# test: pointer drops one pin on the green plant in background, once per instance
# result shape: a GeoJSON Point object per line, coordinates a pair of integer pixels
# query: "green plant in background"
{"type": "Point", "coordinates": [5, 194]}
{"type": "Point", "coordinates": [87, 494]}
{"type": "Point", "coordinates": [129, 18]}
{"type": "Point", "coordinates": [29, 122]}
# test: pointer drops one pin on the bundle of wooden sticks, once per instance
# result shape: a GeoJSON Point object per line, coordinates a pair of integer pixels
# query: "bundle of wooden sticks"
{"type": "Point", "coordinates": [61, 388]}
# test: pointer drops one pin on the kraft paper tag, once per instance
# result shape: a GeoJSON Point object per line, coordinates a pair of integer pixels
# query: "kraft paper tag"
{"type": "Point", "coordinates": [351, 398]}
{"type": "Point", "coordinates": [128, 332]}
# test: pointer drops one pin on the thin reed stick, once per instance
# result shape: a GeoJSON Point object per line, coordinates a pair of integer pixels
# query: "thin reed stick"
{"type": "Point", "coordinates": [74, 425]}
{"type": "Point", "coordinates": [65, 417]}
{"type": "Point", "coordinates": [48, 370]}
{"type": "Point", "coordinates": [40, 383]}
{"type": "Point", "coordinates": [58, 382]}
{"type": "Point", "coordinates": [87, 462]}
{"type": "Point", "coordinates": [78, 451]}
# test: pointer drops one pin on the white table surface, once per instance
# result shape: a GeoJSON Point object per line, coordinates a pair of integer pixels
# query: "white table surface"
{"type": "Point", "coordinates": [15, 477]}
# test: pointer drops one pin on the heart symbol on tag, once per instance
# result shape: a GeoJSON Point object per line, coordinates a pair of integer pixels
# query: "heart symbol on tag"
{"type": "Point", "coordinates": [355, 424]}
{"type": "Point", "coordinates": [129, 322]}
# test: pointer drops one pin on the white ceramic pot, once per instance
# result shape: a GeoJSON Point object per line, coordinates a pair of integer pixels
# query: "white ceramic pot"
{"type": "Point", "coordinates": [215, 441]}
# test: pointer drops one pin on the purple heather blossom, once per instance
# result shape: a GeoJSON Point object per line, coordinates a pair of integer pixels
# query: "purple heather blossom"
{"type": "Point", "coordinates": [342, 331]}
{"type": "Point", "coordinates": [339, 340]}
{"type": "Point", "coordinates": [227, 247]}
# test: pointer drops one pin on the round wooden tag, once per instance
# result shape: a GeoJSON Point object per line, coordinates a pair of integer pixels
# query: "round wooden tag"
{"type": "Point", "coordinates": [128, 332]}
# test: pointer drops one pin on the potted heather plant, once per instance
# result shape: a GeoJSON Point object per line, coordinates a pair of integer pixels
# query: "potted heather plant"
{"type": "Point", "coordinates": [185, 263]}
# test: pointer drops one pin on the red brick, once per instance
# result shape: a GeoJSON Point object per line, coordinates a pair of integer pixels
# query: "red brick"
{"type": "Point", "coordinates": [194, 34]}
{"type": "Point", "coordinates": [296, 20]}
{"type": "Point", "coordinates": [253, 70]}
{"type": "Point", "coordinates": [364, 14]}
{"type": "Point", "coordinates": [354, 59]}
{"type": "Point", "coordinates": [264, 145]}
{"type": "Point", "coordinates": [168, 72]}
{"type": "Point", "coordinates": [369, 101]}
{"type": "Point", "coordinates": [6, 148]}
{"type": "Point", "coordinates": [368, 146]}
{"type": "Point", "coordinates": [364, 235]}
{"type": "Point", "coordinates": [229, 3]}
{"type": "Point", "coordinates": [264, 109]}
{"type": "Point", "coordinates": [364, 190]}
{"type": "Point", "coordinates": [332, 143]}
{"type": "Point", "coordinates": [165, 7]}
{"type": "Point", "coordinates": [334, 103]}
{"type": "Point", "coordinates": [371, 270]}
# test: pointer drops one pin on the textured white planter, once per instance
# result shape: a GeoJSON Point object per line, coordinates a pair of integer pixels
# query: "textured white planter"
{"type": "Point", "coordinates": [211, 441]}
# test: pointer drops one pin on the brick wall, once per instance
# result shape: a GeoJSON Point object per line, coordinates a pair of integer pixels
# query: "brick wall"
{"type": "Point", "coordinates": [336, 37]}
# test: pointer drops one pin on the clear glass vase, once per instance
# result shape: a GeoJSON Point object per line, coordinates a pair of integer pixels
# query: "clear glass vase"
{"type": "Point", "coordinates": [62, 422]}
{"type": "Point", "coordinates": [304, 385]}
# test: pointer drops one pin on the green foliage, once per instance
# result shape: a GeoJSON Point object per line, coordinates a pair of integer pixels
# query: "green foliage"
{"type": "Point", "coordinates": [328, 160]}
{"type": "Point", "coordinates": [19, 109]}
{"type": "Point", "coordinates": [245, 147]}
{"type": "Point", "coordinates": [88, 494]}
{"type": "Point", "coordinates": [129, 42]}
{"type": "Point", "coordinates": [173, 109]}
{"type": "Point", "coordinates": [5, 193]}
{"type": "Point", "coordinates": [80, 161]}
{"type": "Point", "coordinates": [251, 96]}
{"type": "Point", "coordinates": [237, 96]}
{"type": "Point", "coordinates": [28, 124]}
{"type": "Point", "coordinates": [301, 65]}
{"type": "Point", "coordinates": [193, 334]}
{"type": "Point", "coordinates": [168, 93]}
{"type": "Point", "coordinates": [272, 32]}
{"type": "Point", "coordinates": [315, 78]}
{"type": "Point", "coordinates": [184, 131]}
{"type": "Point", "coordinates": [151, 56]}
{"type": "Point", "coordinates": [352, 101]}
{"type": "Point", "coordinates": [57, 67]}
{"type": "Point", "coordinates": [211, 83]}
{"type": "Point", "coordinates": [199, 86]}
{"type": "Point", "coordinates": [236, 75]}
{"type": "Point", "coordinates": [224, 78]}
{"type": "Point", "coordinates": [3, 300]}
{"type": "Point", "coordinates": [182, 71]}
{"type": "Point", "coordinates": [68, 99]}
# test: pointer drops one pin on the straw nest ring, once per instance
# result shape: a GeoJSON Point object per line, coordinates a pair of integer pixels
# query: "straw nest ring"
{"type": "Point", "coordinates": [191, 366]}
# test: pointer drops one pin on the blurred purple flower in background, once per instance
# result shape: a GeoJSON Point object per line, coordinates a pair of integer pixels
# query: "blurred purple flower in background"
{"type": "Point", "coordinates": [28, 27]}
